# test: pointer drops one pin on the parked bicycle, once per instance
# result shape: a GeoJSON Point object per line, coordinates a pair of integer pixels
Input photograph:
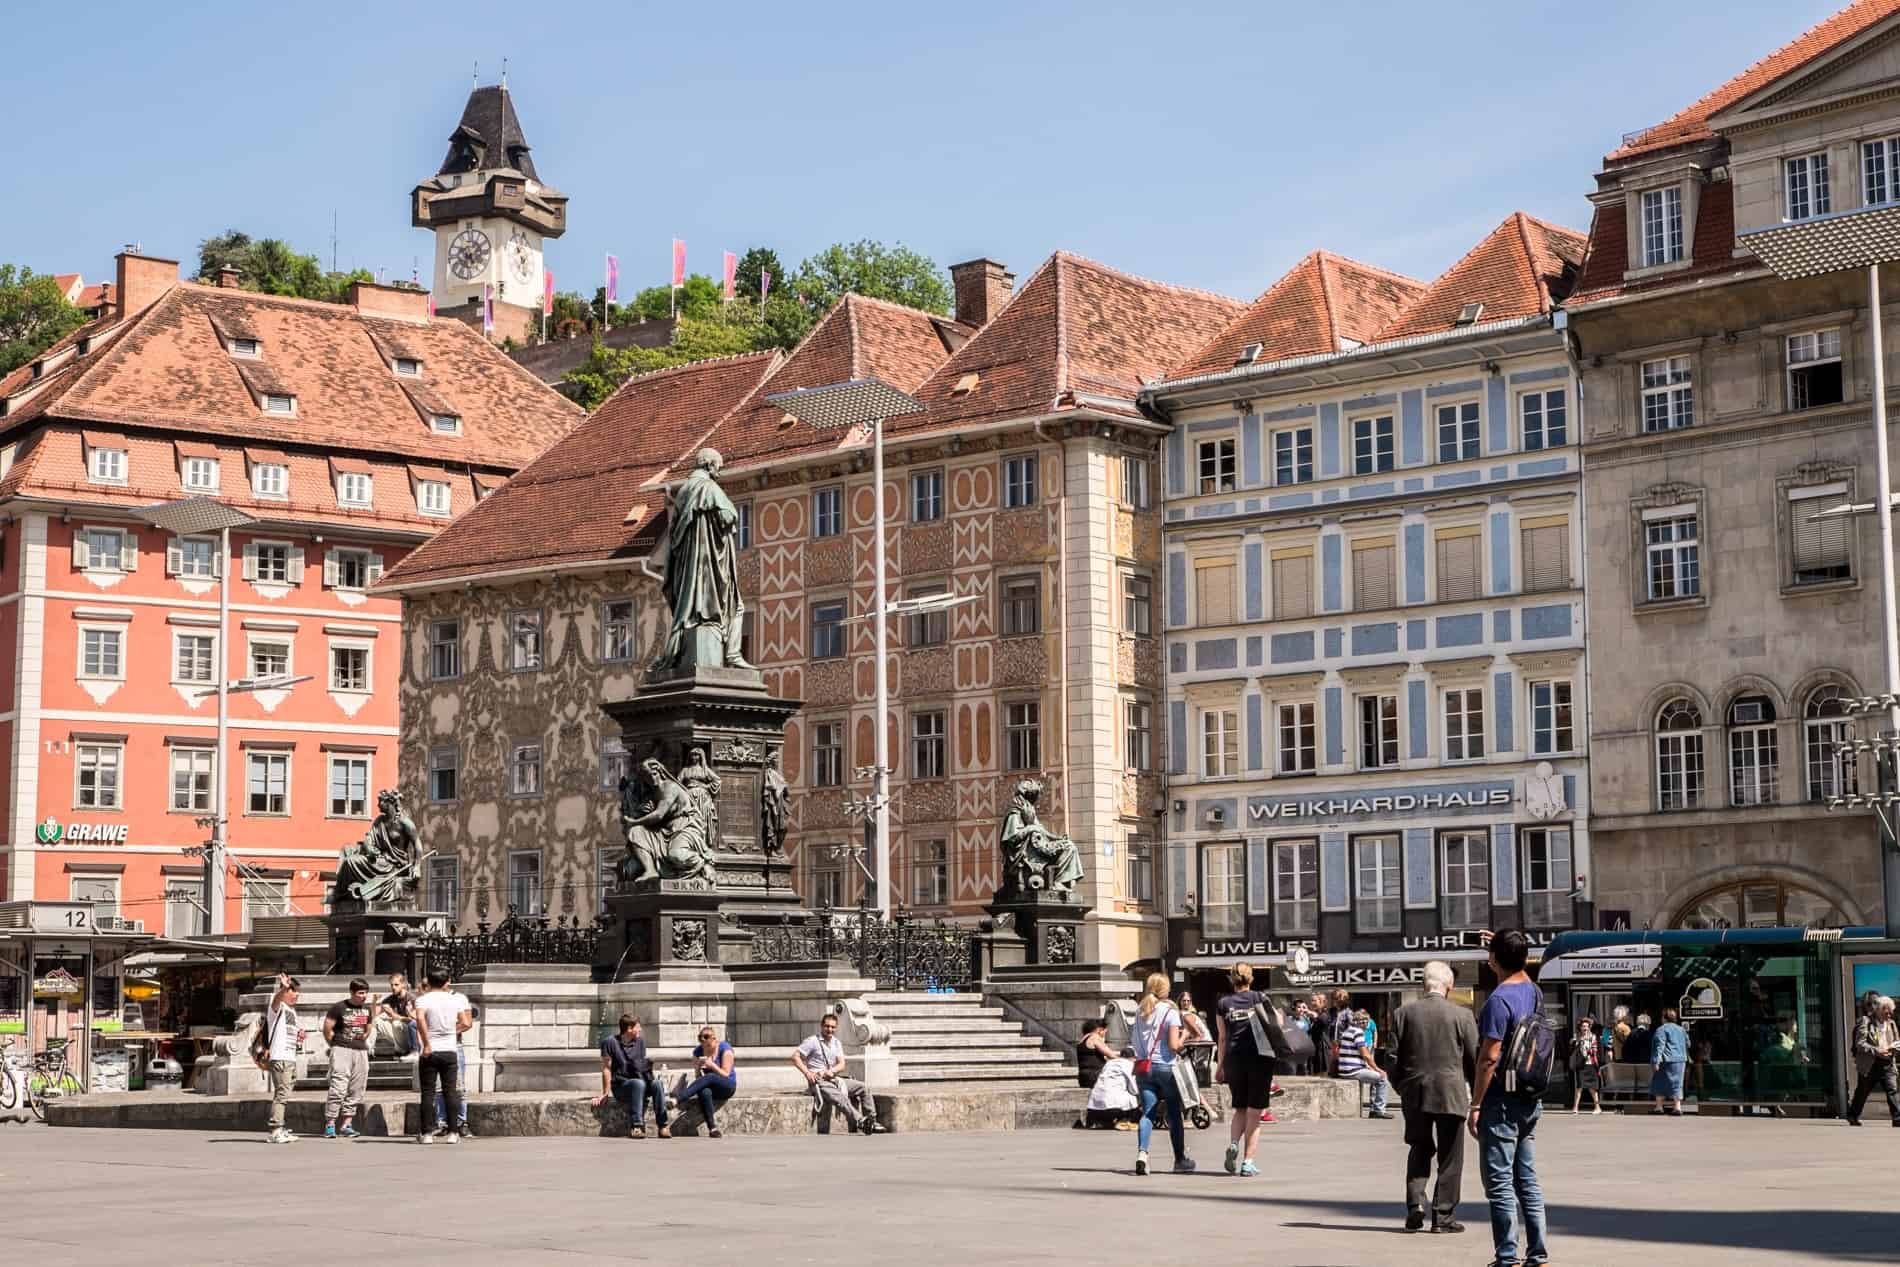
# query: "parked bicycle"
{"type": "Point", "coordinates": [16, 1083]}
{"type": "Point", "coordinates": [52, 1076]}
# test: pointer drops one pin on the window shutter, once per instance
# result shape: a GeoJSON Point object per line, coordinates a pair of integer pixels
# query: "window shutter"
{"type": "Point", "coordinates": [174, 557]}
{"type": "Point", "coordinates": [329, 569]}
{"type": "Point", "coordinates": [1818, 543]}
{"type": "Point", "coordinates": [1259, 872]}
{"type": "Point", "coordinates": [82, 555]}
{"type": "Point", "coordinates": [129, 552]}
{"type": "Point", "coordinates": [1460, 578]}
{"type": "Point", "coordinates": [1372, 577]}
{"type": "Point", "coordinates": [1547, 556]}
{"type": "Point", "coordinates": [1293, 586]}
{"type": "Point", "coordinates": [374, 572]}
{"type": "Point", "coordinates": [250, 561]}
{"type": "Point", "coordinates": [296, 565]}
{"type": "Point", "coordinates": [1214, 594]}
{"type": "Point", "coordinates": [1180, 871]}
{"type": "Point", "coordinates": [217, 559]}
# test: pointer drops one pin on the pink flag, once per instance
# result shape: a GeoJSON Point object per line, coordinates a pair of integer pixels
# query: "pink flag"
{"type": "Point", "coordinates": [547, 292]}
{"type": "Point", "coordinates": [488, 308]}
{"type": "Point", "coordinates": [613, 279]}
{"type": "Point", "coordinates": [679, 262]}
{"type": "Point", "coordinates": [765, 284]}
{"type": "Point", "coordinates": [432, 304]}
{"type": "Point", "coordinates": [732, 273]}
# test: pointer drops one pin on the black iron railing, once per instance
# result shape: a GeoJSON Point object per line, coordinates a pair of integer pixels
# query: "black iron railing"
{"type": "Point", "coordinates": [901, 953]}
{"type": "Point", "coordinates": [517, 939]}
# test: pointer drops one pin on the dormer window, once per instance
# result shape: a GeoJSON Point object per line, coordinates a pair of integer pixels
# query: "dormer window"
{"type": "Point", "coordinates": [1662, 226]}
{"type": "Point", "coordinates": [279, 403]}
{"type": "Point", "coordinates": [1250, 354]}
{"type": "Point", "coordinates": [106, 466]}
{"type": "Point", "coordinates": [270, 479]}
{"type": "Point", "coordinates": [409, 367]}
{"type": "Point", "coordinates": [446, 424]}
{"type": "Point", "coordinates": [353, 488]}
{"type": "Point", "coordinates": [243, 347]}
{"type": "Point", "coordinates": [1806, 183]}
{"type": "Point", "coordinates": [201, 475]}
{"type": "Point", "coordinates": [432, 497]}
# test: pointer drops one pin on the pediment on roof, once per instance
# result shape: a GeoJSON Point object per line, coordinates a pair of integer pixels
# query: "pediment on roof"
{"type": "Point", "coordinates": [1869, 63]}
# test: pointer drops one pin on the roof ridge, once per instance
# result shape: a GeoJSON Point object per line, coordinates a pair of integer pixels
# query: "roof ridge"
{"type": "Point", "coordinates": [1553, 227]}
{"type": "Point", "coordinates": [1326, 296]}
{"type": "Point", "coordinates": [909, 309]}
{"type": "Point", "coordinates": [852, 340]}
{"type": "Point", "coordinates": [745, 400]}
{"type": "Point", "coordinates": [1138, 279]}
{"type": "Point", "coordinates": [1062, 383]}
{"type": "Point", "coordinates": [647, 376]}
{"type": "Point", "coordinates": [1361, 264]}
{"type": "Point", "coordinates": [1521, 223]}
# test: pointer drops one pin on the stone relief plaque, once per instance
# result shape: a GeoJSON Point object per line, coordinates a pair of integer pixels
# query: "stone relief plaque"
{"type": "Point", "coordinates": [739, 810]}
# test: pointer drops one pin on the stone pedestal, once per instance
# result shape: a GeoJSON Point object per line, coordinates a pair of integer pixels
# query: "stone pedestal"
{"type": "Point", "coordinates": [375, 943]}
{"type": "Point", "coordinates": [662, 924]}
{"type": "Point", "coordinates": [1050, 927]}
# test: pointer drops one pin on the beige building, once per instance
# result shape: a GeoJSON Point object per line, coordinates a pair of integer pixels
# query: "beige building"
{"type": "Point", "coordinates": [1722, 408]}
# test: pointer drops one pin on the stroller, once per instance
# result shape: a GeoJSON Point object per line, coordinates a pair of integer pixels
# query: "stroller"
{"type": "Point", "coordinates": [1190, 1075]}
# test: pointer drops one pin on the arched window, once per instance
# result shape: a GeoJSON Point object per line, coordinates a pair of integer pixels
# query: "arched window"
{"type": "Point", "coordinates": [1764, 903]}
{"type": "Point", "coordinates": [1678, 755]}
{"type": "Point", "coordinates": [1753, 758]}
{"type": "Point", "coordinates": [1823, 725]}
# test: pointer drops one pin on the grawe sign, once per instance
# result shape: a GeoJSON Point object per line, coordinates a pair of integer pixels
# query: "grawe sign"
{"type": "Point", "coordinates": [52, 832]}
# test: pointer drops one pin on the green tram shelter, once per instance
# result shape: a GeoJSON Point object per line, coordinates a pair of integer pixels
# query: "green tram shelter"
{"type": "Point", "coordinates": [1770, 1011]}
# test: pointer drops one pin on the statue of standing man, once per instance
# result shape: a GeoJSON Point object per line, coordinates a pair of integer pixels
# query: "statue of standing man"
{"type": "Point", "coordinates": [700, 557]}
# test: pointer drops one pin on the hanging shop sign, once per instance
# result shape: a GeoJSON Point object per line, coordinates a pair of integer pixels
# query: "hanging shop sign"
{"type": "Point", "coordinates": [58, 983]}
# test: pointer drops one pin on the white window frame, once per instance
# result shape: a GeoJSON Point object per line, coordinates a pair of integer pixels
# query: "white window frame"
{"type": "Point", "coordinates": [106, 761]}
{"type": "Point", "coordinates": [1754, 762]}
{"type": "Point", "coordinates": [1880, 171]}
{"type": "Point", "coordinates": [445, 757]}
{"type": "Point", "coordinates": [252, 642]}
{"type": "Point", "coordinates": [522, 658]}
{"type": "Point", "coordinates": [1374, 452]}
{"type": "Point", "coordinates": [194, 762]}
{"type": "Point", "coordinates": [1547, 898]}
{"type": "Point", "coordinates": [1827, 773]}
{"type": "Point", "coordinates": [1544, 419]}
{"type": "Point", "coordinates": [406, 366]}
{"type": "Point", "coordinates": [444, 868]}
{"type": "Point", "coordinates": [199, 474]}
{"type": "Point", "coordinates": [1385, 715]}
{"type": "Point", "coordinates": [202, 670]}
{"type": "Point", "coordinates": [1217, 465]}
{"type": "Point", "coordinates": [1296, 887]}
{"type": "Point", "coordinates": [1223, 889]}
{"type": "Point", "coordinates": [347, 760]}
{"type": "Point", "coordinates": [835, 642]}
{"type": "Point", "coordinates": [619, 635]}
{"type": "Point", "coordinates": [257, 555]}
{"type": "Point", "coordinates": [1020, 474]}
{"type": "Point", "coordinates": [1296, 737]}
{"type": "Point", "coordinates": [742, 529]}
{"type": "Point", "coordinates": [1220, 742]}
{"type": "Point", "coordinates": [1137, 482]}
{"type": "Point", "coordinates": [338, 648]}
{"type": "Point", "coordinates": [526, 886]}
{"type": "Point", "coordinates": [433, 498]}
{"type": "Point", "coordinates": [930, 744]}
{"type": "Point", "coordinates": [1138, 734]}
{"type": "Point", "coordinates": [1292, 456]}
{"type": "Point", "coordinates": [446, 424]}
{"type": "Point", "coordinates": [355, 488]}
{"type": "Point", "coordinates": [361, 561]}
{"type": "Point", "coordinates": [271, 759]}
{"type": "Point", "coordinates": [127, 545]}
{"type": "Point", "coordinates": [436, 644]}
{"type": "Point", "coordinates": [1807, 350]}
{"type": "Point", "coordinates": [1138, 880]}
{"type": "Point", "coordinates": [1684, 749]}
{"type": "Point", "coordinates": [1804, 180]}
{"type": "Point", "coordinates": [244, 347]}
{"type": "Point", "coordinates": [1022, 735]}
{"type": "Point", "coordinates": [926, 496]}
{"type": "Point", "coordinates": [616, 763]}
{"type": "Point", "coordinates": [930, 872]}
{"type": "Point", "coordinates": [1552, 699]}
{"type": "Point", "coordinates": [107, 464]}
{"type": "Point", "coordinates": [1137, 604]}
{"type": "Point", "coordinates": [827, 512]}
{"type": "Point", "coordinates": [1463, 714]}
{"type": "Point", "coordinates": [1386, 868]}
{"type": "Point", "coordinates": [1460, 431]}
{"type": "Point", "coordinates": [827, 754]}
{"type": "Point", "coordinates": [1662, 227]}
{"type": "Point", "coordinates": [527, 769]}
{"type": "Point", "coordinates": [1465, 883]}
{"type": "Point", "coordinates": [279, 403]}
{"type": "Point", "coordinates": [107, 636]}
{"type": "Point", "coordinates": [1679, 555]}
{"type": "Point", "coordinates": [270, 480]}
{"type": "Point", "coordinates": [193, 550]}
{"type": "Point", "coordinates": [1668, 393]}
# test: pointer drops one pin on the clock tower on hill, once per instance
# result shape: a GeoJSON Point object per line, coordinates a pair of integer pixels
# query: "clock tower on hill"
{"type": "Point", "coordinates": [491, 216]}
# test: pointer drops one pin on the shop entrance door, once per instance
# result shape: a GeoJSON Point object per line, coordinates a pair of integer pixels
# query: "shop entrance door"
{"type": "Point", "coordinates": [1859, 974]}
{"type": "Point", "coordinates": [59, 1007]}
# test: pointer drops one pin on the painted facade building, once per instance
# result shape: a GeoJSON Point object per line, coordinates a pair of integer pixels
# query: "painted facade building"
{"type": "Point", "coordinates": [349, 432]}
{"type": "Point", "coordinates": [1027, 486]}
{"type": "Point", "coordinates": [1374, 616]}
{"type": "Point", "coordinates": [1723, 407]}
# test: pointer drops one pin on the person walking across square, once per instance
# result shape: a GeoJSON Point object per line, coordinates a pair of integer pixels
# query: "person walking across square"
{"type": "Point", "coordinates": [1504, 1122]}
{"type": "Point", "coordinates": [1247, 1071]}
{"type": "Point", "coordinates": [1876, 1042]}
{"type": "Point", "coordinates": [441, 1018]}
{"type": "Point", "coordinates": [1436, 1046]}
{"type": "Point", "coordinates": [1158, 1038]}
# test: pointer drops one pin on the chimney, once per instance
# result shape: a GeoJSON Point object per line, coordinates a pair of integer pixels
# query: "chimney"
{"type": "Point", "coordinates": [983, 287]}
{"type": "Point", "coordinates": [402, 303]}
{"type": "Point", "coordinates": [143, 280]}
{"type": "Point", "coordinates": [229, 278]}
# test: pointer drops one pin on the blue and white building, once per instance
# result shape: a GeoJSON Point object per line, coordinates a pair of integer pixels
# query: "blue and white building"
{"type": "Point", "coordinates": [1376, 691]}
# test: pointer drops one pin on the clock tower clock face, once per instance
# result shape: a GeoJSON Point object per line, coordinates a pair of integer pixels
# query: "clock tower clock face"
{"type": "Point", "coordinates": [521, 257]}
{"type": "Point", "coordinates": [468, 254]}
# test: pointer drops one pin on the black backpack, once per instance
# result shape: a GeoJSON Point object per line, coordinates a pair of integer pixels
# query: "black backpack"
{"type": "Point", "coordinates": [1530, 1053]}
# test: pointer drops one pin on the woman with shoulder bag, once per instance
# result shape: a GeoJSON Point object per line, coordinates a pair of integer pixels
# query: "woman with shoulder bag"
{"type": "Point", "coordinates": [1158, 1036]}
{"type": "Point", "coordinates": [1247, 1071]}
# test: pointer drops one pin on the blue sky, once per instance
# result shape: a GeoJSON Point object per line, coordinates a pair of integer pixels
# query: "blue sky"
{"type": "Point", "coordinates": [1209, 144]}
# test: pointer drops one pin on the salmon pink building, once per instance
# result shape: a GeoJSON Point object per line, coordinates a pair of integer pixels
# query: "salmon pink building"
{"type": "Point", "coordinates": [347, 434]}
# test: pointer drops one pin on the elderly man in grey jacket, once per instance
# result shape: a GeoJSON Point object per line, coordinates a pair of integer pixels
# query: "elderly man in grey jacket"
{"type": "Point", "coordinates": [1437, 1044]}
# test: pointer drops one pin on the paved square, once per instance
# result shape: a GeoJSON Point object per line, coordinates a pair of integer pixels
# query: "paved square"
{"type": "Point", "coordinates": [1689, 1193]}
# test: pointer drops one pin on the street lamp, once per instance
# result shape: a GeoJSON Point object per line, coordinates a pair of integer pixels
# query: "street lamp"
{"type": "Point", "coordinates": [188, 517]}
{"type": "Point", "coordinates": [866, 402]}
{"type": "Point", "coordinates": [1832, 244]}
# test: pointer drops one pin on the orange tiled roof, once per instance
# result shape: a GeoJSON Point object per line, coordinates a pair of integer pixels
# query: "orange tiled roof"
{"type": "Point", "coordinates": [1075, 327]}
{"type": "Point", "coordinates": [70, 285]}
{"type": "Point", "coordinates": [1319, 302]}
{"type": "Point", "coordinates": [170, 369]}
{"type": "Point", "coordinates": [1710, 254]}
{"type": "Point", "coordinates": [578, 501]}
{"type": "Point", "coordinates": [1692, 122]}
{"type": "Point", "coordinates": [1512, 272]}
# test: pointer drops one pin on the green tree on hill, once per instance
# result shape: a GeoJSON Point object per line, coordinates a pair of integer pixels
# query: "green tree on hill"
{"type": "Point", "coordinates": [271, 266]}
{"type": "Point", "coordinates": [34, 315]}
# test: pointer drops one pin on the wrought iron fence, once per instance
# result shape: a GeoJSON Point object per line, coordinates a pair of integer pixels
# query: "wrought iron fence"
{"type": "Point", "coordinates": [517, 939]}
{"type": "Point", "coordinates": [901, 953]}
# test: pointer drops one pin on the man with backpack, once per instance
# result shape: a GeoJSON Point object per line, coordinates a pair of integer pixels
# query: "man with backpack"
{"type": "Point", "coordinates": [274, 1049]}
{"type": "Point", "coordinates": [1514, 1064]}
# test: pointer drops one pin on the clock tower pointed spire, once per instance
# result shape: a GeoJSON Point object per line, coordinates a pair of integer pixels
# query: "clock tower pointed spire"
{"type": "Point", "coordinates": [491, 215]}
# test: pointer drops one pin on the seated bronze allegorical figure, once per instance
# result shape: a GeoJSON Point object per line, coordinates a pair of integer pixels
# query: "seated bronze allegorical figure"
{"type": "Point", "coordinates": [1035, 859]}
{"type": "Point", "coordinates": [666, 829]}
{"type": "Point", "coordinates": [385, 870]}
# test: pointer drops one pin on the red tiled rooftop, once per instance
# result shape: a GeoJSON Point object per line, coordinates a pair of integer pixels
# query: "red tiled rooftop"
{"type": "Point", "coordinates": [1511, 273]}
{"type": "Point", "coordinates": [1711, 253]}
{"type": "Point", "coordinates": [1321, 301]}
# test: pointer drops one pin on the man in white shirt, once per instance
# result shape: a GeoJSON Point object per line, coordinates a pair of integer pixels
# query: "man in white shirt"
{"type": "Point", "coordinates": [821, 1059]}
{"type": "Point", "coordinates": [283, 1034]}
{"type": "Point", "coordinates": [442, 1016]}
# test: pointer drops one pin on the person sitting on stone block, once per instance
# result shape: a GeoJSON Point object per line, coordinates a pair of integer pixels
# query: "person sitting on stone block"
{"type": "Point", "coordinates": [626, 1074]}
{"type": "Point", "coordinates": [820, 1059]}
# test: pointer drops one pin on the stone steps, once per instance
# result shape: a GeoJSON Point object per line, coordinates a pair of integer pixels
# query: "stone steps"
{"type": "Point", "coordinates": [913, 1040]}
{"type": "Point", "coordinates": [941, 1040]}
{"type": "Point", "coordinates": [931, 1011]}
